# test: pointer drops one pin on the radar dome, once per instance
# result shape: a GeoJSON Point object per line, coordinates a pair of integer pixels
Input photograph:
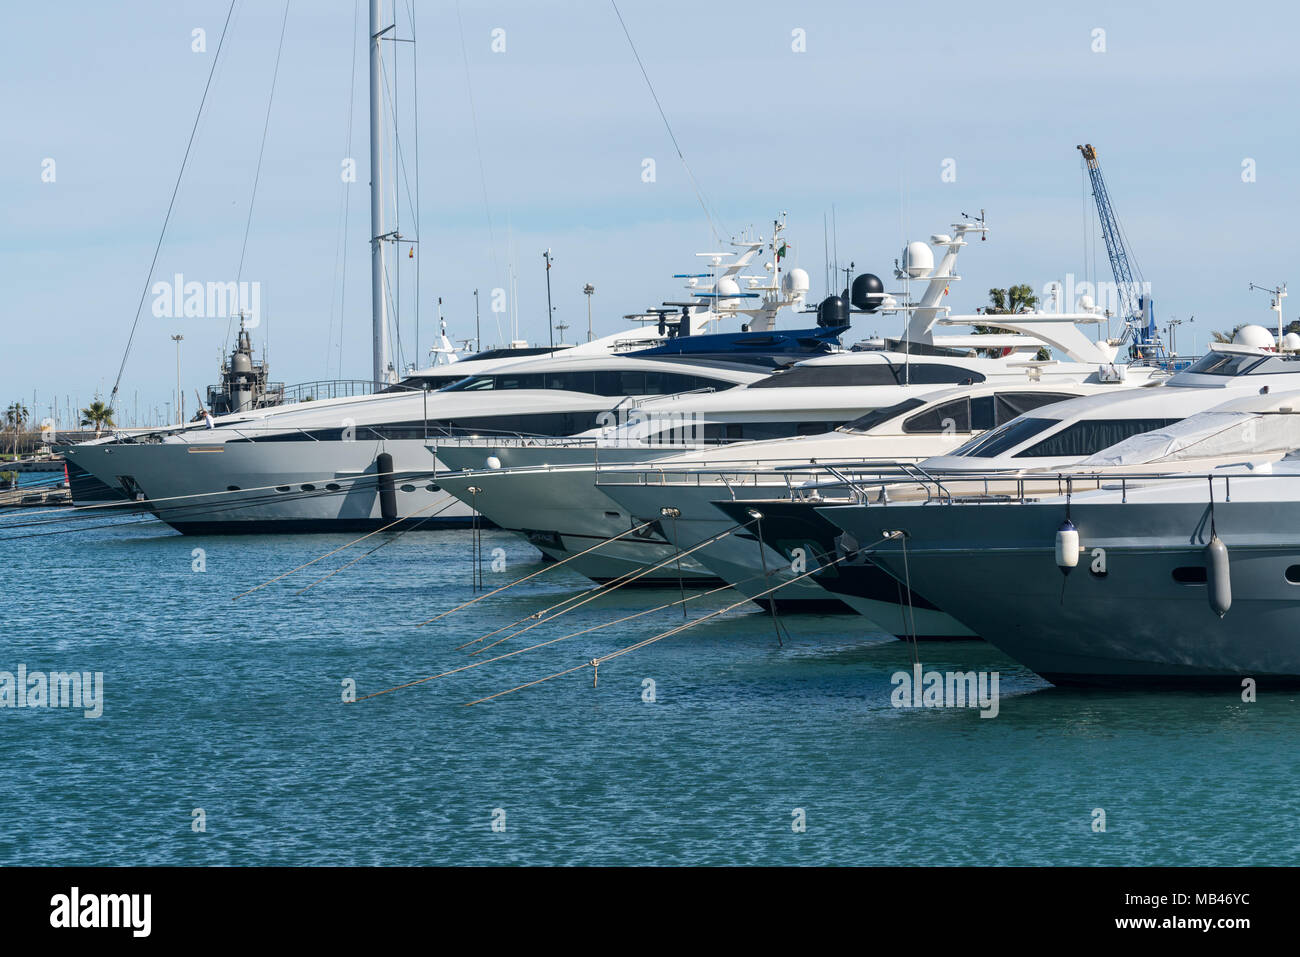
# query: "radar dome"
{"type": "Point", "coordinates": [795, 283]}
{"type": "Point", "coordinates": [1291, 342]}
{"type": "Point", "coordinates": [833, 312]}
{"type": "Point", "coordinates": [918, 260]}
{"type": "Point", "coordinates": [728, 287]}
{"type": "Point", "coordinates": [1255, 336]}
{"type": "Point", "coordinates": [1086, 303]}
{"type": "Point", "coordinates": [867, 292]}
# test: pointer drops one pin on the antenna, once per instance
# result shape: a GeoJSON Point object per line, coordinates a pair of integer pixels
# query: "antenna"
{"type": "Point", "coordinates": [1278, 293]}
{"type": "Point", "coordinates": [550, 310]}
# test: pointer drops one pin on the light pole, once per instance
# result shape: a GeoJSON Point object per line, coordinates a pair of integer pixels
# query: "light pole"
{"type": "Point", "coordinates": [589, 289]}
{"type": "Point", "coordinates": [180, 396]}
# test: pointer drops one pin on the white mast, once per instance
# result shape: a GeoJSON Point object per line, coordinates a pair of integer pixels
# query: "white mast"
{"type": "Point", "coordinates": [378, 304]}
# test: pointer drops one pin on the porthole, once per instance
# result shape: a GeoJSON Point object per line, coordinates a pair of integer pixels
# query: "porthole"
{"type": "Point", "coordinates": [1190, 575]}
{"type": "Point", "coordinates": [432, 488]}
{"type": "Point", "coordinates": [333, 486]}
{"type": "Point", "coordinates": [282, 488]}
{"type": "Point", "coordinates": [1293, 574]}
{"type": "Point", "coordinates": [232, 488]}
{"type": "Point", "coordinates": [307, 487]}
{"type": "Point", "coordinates": [408, 488]}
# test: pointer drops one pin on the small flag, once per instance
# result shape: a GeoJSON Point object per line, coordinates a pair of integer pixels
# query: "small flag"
{"type": "Point", "coordinates": [410, 253]}
{"type": "Point", "coordinates": [780, 253]}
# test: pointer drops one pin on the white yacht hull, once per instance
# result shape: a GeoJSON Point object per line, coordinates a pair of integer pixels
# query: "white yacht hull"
{"type": "Point", "coordinates": [562, 512]}
{"type": "Point", "coordinates": [307, 486]}
{"type": "Point", "coordinates": [1145, 619]}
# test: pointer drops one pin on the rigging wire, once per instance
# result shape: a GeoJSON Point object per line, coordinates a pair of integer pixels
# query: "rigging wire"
{"type": "Point", "coordinates": [341, 250]}
{"type": "Point", "coordinates": [478, 151]}
{"type": "Point", "coordinates": [668, 126]}
{"type": "Point", "coordinates": [401, 175]}
{"type": "Point", "coordinates": [415, 128]}
{"type": "Point", "coordinates": [257, 174]}
{"type": "Point", "coordinates": [171, 203]}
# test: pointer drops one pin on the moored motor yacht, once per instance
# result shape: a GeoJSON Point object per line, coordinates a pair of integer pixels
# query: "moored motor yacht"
{"type": "Point", "coordinates": [1171, 558]}
{"type": "Point", "coordinates": [363, 461]}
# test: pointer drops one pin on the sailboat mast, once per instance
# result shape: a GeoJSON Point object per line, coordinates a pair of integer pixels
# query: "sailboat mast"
{"type": "Point", "coordinates": [378, 304]}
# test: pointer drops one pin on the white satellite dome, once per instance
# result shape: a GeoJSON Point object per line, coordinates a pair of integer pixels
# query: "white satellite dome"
{"type": "Point", "coordinates": [1087, 303]}
{"type": "Point", "coordinates": [1291, 342]}
{"type": "Point", "coordinates": [795, 283]}
{"type": "Point", "coordinates": [1255, 336]}
{"type": "Point", "coordinates": [918, 260]}
{"type": "Point", "coordinates": [728, 287]}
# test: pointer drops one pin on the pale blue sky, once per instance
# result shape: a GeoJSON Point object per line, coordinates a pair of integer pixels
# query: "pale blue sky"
{"type": "Point", "coordinates": [864, 120]}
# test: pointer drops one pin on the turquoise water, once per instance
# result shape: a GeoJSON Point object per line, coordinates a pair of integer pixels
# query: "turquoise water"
{"type": "Point", "coordinates": [236, 708]}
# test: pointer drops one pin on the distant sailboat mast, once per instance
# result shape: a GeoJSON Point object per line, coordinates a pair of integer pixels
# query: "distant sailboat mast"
{"type": "Point", "coordinates": [379, 306]}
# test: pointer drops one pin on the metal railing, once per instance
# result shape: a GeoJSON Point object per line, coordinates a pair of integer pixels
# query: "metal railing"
{"type": "Point", "coordinates": [859, 481]}
{"type": "Point", "coordinates": [337, 389]}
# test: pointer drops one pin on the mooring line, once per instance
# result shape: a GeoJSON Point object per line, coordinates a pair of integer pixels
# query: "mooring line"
{"type": "Point", "coordinates": [335, 551]}
{"type": "Point", "coordinates": [595, 663]}
{"type": "Point", "coordinates": [542, 644]}
{"type": "Point", "coordinates": [604, 591]}
{"type": "Point", "coordinates": [127, 502]}
{"type": "Point", "coordinates": [540, 571]}
{"type": "Point", "coordinates": [387, 541]}
{"type": "Point", "coordinates": [537, 614]}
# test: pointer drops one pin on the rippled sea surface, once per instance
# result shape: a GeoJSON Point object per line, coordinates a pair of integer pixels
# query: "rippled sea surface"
{"type": "Point", "coordinates": [236, 707]}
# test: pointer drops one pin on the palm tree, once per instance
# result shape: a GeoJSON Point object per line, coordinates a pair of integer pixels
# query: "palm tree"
{"type": "Point", "coordinates": [15, 421]}
{"type": "Point", "coordinates": [1008, 302]}
{"type": "Point", "coordinates": [98, 415]}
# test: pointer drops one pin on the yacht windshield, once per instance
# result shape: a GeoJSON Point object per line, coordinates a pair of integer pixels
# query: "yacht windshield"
{"type": "Point", "coordinates": [1225, 364]}
{"type": "Point", "coordinates": [1004, 437]}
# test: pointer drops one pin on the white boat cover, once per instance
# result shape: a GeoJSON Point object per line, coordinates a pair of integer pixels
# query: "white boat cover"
{"type": "Point", "coordinates": [1255, 425]}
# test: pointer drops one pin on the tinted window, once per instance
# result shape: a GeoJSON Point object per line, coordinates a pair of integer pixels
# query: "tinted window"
{"type": "Point", "coordinates": [935, 373]}
{"type": "Point", "coordinates": [952, 416]}
{"type": "Point", "coordinates": [804, 377]}
{"type": "Point", "coordinates": [476, 383]}
{"type": "Point", "coordinates": [1011, 404]}
{"type": "Point", "coordinates": [872, 419]}
{"type": "Point", "coordinates": [1005, 437]}
{"type": "Point", "coordinates": [741, 431]}
{"type": "Point", "coordinates": [610, 382]}
{"type": "Point", "coordinates": [1089, 436]}
{"type": "Point", "coordinates": [1225, 363]}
